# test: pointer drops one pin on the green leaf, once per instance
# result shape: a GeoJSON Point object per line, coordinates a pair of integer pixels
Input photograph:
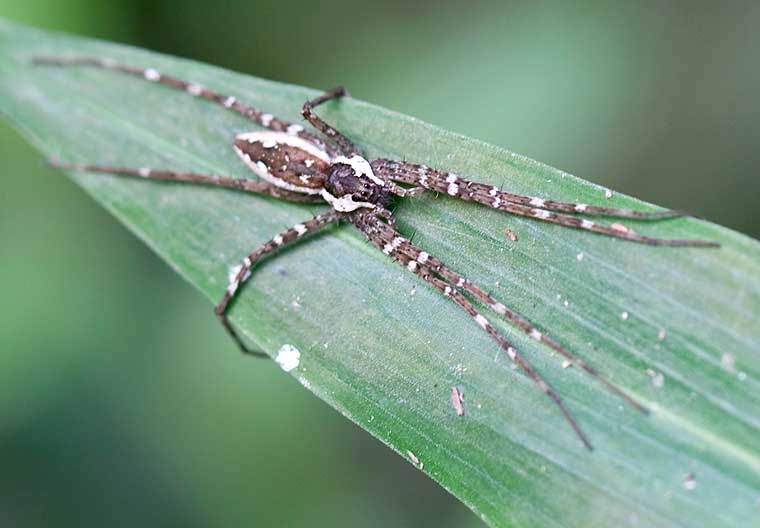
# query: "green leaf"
{"type": "Point", "coordinates": [386, 350]}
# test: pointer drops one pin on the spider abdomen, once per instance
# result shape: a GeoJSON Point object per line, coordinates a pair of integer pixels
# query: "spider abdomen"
{"type": "Point", "coordinates": [284, 160]}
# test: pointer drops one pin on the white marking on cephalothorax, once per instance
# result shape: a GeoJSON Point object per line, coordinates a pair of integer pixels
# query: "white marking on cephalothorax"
{"type": "Point", "coordinates": [151, 74]}
{"type": "Point", "coordinates": [288, 357]}
{"type": "Point", "coordinates": [361, 167]}
{"type": "Point", "coordinates": [461, 281]}
{"type": "Point", "coordinates": [412, 266]}
{"type": "Point", "coordinates": [537, 202]}
{"type": "Point", "coordinates": [194, 89]}
{"type": "Point", "coordinates": [581, 207]}
{"type": "Point", "coordinates": [424, 180]}
{"type": "Point", "coordinates": [493, 192]}
{"type": "Point", "coordinates": [305, 178]}
{"type": "Point", "coordinates": [277, 240]}
{"type": "Point", "coordinates": [300, 229]}
{"type": "Point", "coordinates": [540, 213]}
{"type": "Point", "coordinates": [453, 189]}
{"type": "Point", "coordinates": [144, 172]}
{"type": "Point", "coordinates": [229, 102]}
{"type": "Point", "coordinates": [499, 308]}
{"type": "Point", "coordinates": [496, 202]}
{"type": "Point", "coordinates": [294, 129]}
{"type": "Point", "coordinates": [587, 224]}
{"type": "Point", "coordinates": [344, 204]}
{"type": "Point", "coordinates": [535, 334]}
{"type": "Point", "coordinates": [452, 178]}
{"type": "Point", "coordinates": [269, 143]}
{"type": "Point", "coordinates": [266, 119]}
{"type": "Point", "coordinates": [423, 257]}
{"type": "Point", "coordinates": [308, 163]}
{"type": "Point", "coordinates": [482, 321]}
{"type": "Point", "coordinates": [447, 291]}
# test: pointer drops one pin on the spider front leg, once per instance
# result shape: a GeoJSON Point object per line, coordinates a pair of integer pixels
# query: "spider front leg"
{"type": "Point", "coordinates": [229, 102]}
{"type": "Point", "coordinates": [241, 184]}
{"type": "Point", "coordinates": [241, 275]}
{"type": "Point", "coordinates": [346, 145]}
{"type": "Point", "coordinates": [390, 243]}
{"type": "Point", "coordinates": [531, 207]}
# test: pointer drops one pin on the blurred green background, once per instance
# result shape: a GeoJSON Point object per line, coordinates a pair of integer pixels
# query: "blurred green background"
{"type": "Point", "coordinates": [123, 403]}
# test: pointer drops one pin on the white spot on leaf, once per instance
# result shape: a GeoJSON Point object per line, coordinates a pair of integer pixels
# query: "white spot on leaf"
{"type": "Point", "coordinates": [288, 357]}
{"type": "Point", "coordinates": [727, 361]}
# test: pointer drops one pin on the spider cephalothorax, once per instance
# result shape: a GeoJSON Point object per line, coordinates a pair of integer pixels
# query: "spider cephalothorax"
{"type": "Point", "coordinates": [301, 166]}
{"type": "Point", "coordinates": [352, 184]}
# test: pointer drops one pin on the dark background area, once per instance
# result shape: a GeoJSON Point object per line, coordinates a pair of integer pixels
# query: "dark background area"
{"type": "Point", "coordinates": [121, 400]}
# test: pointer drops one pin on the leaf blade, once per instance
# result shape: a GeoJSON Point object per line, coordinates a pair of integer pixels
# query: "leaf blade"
{"type": "Point", "coordinates": [388, 359]}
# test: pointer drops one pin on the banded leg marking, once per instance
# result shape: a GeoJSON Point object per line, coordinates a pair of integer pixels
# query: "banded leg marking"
{"type": "Point", "coordinates": [243, 274]}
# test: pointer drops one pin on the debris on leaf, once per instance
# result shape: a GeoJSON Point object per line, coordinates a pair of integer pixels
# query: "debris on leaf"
{"type": "Point", "coordinates": [457, 400]}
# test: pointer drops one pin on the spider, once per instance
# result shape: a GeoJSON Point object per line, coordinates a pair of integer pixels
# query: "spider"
{"type": "Point", "coordinates": [302, 166]}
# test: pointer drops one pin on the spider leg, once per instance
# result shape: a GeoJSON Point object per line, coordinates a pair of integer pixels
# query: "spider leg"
{"type": "Point", "coordinates": [345, 145]}
{"type": "Point", "coordinates": [227, 101]}
{"type": "Point", "coordinates": [422, 258]}
{"type": "Point", "coordinates": [242, 184]}
{"type": "Point", "coordinates": [241, 275]}
{"type": "Point", "coordinates": [377, 233]}
{"type": "Point", "coordinates": [386, 215]}
{"type": "Point", "coordinates": [403, 192]}
{"type": "Point", "coordinates": [453, 185]}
